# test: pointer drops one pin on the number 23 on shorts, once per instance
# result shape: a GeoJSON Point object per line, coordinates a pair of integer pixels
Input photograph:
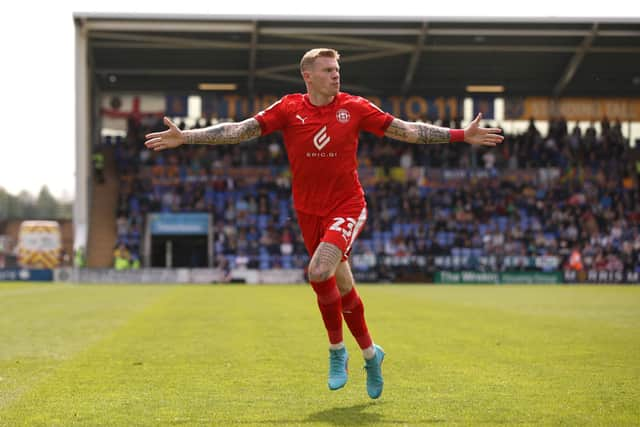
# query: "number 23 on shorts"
{"type": "Point", "coordinates": [343, 225]}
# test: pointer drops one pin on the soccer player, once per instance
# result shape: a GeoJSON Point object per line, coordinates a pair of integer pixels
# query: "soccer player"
{"type": "Point", "coordinates": [320, 130]}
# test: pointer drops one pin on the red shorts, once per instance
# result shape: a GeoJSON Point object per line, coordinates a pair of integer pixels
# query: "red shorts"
{"type": "Point", "coordinates": [340, 228]}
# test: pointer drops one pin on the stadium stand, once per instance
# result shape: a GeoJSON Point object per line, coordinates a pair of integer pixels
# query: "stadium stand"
{"type": "Point", "coordinates": [526, 206]}
{"type": "Point", "coordinates": [536, 202]}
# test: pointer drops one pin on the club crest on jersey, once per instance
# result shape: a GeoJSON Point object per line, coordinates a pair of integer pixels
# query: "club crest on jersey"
{"type": "Point", "coordinates": [321, 139]}
{"type": "Point", "coordinates": [343, 115]}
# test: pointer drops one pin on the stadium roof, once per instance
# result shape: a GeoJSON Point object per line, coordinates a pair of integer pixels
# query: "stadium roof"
{"type": "Point", "coordinates": [421, 56]}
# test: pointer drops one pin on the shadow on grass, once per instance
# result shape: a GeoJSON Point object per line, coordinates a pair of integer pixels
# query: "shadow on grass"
{"type": "Point", "coordinates": [355, 415]}
{"type": "Point", "coordinates": [350, 415]}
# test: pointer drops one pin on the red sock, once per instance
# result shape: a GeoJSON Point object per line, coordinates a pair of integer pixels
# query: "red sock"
{"type": "Point", "coordinates": [353, 312]}
{"type": "Point", "coordinates": [330, 307]}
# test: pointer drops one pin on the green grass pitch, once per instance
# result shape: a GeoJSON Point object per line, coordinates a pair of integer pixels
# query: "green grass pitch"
{"type": "Point", "coordinates": [129, 355]}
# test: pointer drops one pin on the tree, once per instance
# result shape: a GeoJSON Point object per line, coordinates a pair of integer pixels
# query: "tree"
{"type": "Point", "coordinates": [4, 204]}
{"type": "Point", "coordinates": [46, 205]}
{"type": "Point", "coordinates": [26, 206]}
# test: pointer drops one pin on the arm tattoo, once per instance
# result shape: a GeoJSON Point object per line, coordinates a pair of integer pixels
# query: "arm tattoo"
{"type": "Point", "coordinates": [429, 134]}
{"type": "Point", "coordinates": [398, 130]}
{"type": "Point", "coordinates": [225, 133]}
{"type": "Point", "coordinates": [417, 133]}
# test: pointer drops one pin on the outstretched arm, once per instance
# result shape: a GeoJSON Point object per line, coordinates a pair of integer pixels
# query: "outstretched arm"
{"type": "Point", "coordinates": [423, 133]}
{"type": "Point", "coordinates": [222, 133]}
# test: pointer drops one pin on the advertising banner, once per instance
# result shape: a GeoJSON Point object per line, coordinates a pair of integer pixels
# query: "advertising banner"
{"type": "Point", "coordinates": [176, 224]}
{"type": "Point", "coordinates": [187, 276]}
{"type": "Point", "coordinates": [406, 107]}
{"type": "Point", "coordinates": [484, 105]}
{"type": "Point", "coordinates": [176, 105]}
{"type": "Point", "coordinates": [25, 275]}
{"type": "Point", "coordinates": [466, 277]}
{"type": "Point", "coordinates": [602, 277]}
{"type": "Point", "coordinates": [515, 277]}
{"type": "Point", "coordinates": [581, 109]}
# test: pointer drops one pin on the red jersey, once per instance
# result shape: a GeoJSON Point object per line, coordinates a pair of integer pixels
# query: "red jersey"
{"type": "Point", "coordinates": [322, 146]}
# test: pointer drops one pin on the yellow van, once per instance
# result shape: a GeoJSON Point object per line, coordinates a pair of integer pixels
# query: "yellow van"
{"type": "Point", "coordinates": [39, 244]}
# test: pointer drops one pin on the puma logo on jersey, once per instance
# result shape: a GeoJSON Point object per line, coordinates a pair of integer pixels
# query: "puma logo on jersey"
{"type": "Point", "coordinates": [321, 139]}
{"type": "Point", "coordinates": [302, 119]}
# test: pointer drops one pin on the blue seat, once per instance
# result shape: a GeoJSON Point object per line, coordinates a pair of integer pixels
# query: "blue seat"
{"type": "Point", "coordinates": [451, 237]}
{"type": "Point", "coordinates": [264, 260]}
{"type": "Point", "coordinates": [287, 261]}
{"type": "Point", "coordinates": [263, 220]}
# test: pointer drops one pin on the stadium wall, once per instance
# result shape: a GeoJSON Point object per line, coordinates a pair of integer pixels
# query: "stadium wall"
{"type": "Point", "coordinates": [296, 276]}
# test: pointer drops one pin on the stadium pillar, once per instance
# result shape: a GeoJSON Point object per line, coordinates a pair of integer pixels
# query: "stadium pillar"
{"type": "Point", "coordinates": [83, 109]}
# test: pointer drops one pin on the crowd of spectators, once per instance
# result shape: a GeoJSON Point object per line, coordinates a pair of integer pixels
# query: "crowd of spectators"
{"type": "Point", "coordinates": [581, 196]}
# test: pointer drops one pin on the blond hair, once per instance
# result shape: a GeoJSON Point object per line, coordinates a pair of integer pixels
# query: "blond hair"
{"type": "Point", "coordinates": [309, 58]}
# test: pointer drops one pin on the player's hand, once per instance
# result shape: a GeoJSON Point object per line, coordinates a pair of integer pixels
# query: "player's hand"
{"type": "Point", "coordinates": [170, 138]}
{"type": "Point", "coordinates": [475, 135]}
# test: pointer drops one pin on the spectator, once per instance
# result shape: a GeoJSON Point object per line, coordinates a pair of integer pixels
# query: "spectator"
{"type": "Point", "coordinates": [122, 257]}
{"type": "Point", "coordinates": [98, 165]}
